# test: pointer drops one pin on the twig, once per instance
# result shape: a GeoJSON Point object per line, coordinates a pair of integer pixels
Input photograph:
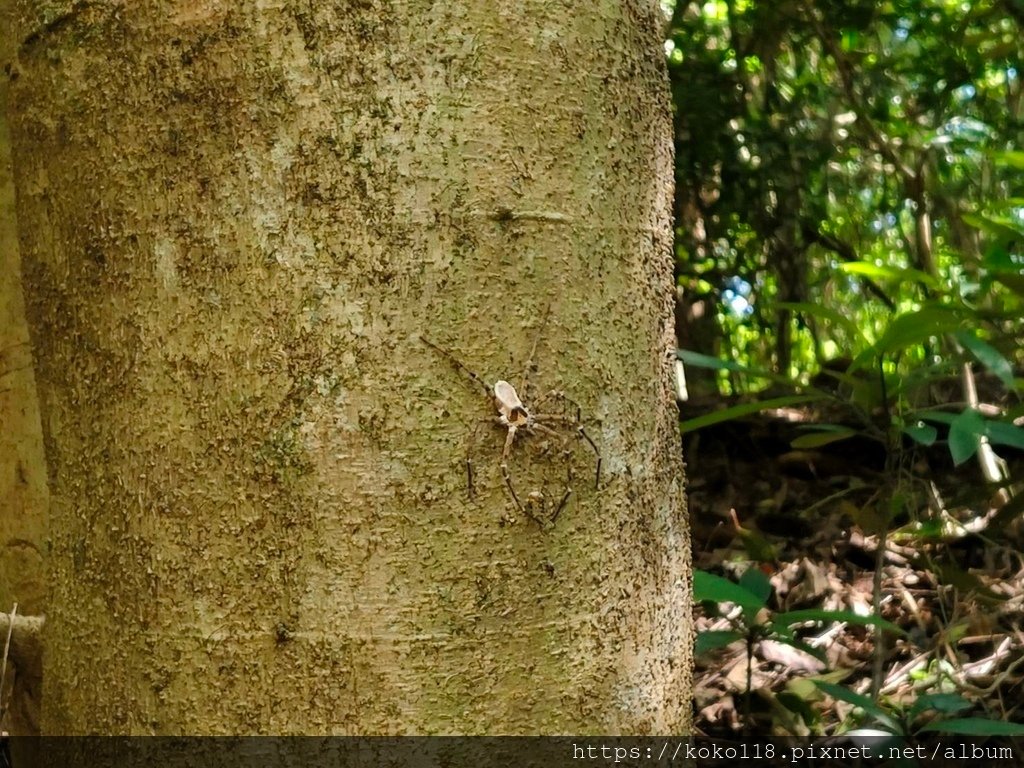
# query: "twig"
{"type": "Point", "coordinates": [3, 662]}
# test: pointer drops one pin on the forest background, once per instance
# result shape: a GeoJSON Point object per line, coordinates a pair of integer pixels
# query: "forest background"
{"type": "Point", "coordinates": [849, 225]}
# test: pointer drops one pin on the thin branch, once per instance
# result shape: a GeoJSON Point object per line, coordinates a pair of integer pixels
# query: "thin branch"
{"type": "Point", "coordinates": [880, 141]}
{"type": "Point", "coordinates": [846, 252]}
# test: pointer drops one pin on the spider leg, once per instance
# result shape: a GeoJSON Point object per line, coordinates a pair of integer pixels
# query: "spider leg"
{"type": "Point", "coordinates": [504, 465]}
{"type": "Point", "coordinates": [597, 474]}
{"type": "Point", "coordinates": [534, 501]}
{"type": "Point", "coordinates": [545, 429]}
{"type": "Point", "coordinates": [555, 393]}
{"type": "Point", "coordinates": [573, 420]}
{"type": "Point", "coordinates": [565, 495]}
{"type": "Point", "coordinates": [561, 504]}
{"type": "Point", "coordinates": [459, 365]}
{"type": "Point", "coordinates": [530, 362]}
{"type": "Point", "coordinates": [508, 484]}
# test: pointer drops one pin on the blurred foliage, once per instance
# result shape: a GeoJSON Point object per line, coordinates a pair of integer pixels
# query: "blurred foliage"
{"type": "Point", "coordinates": [850, 231]}
{"type": "Point", "coordinates": [850, 183]}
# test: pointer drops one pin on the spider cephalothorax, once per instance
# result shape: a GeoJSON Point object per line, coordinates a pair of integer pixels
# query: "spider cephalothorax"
{"type": "Point", "coordinates": [512, 412]}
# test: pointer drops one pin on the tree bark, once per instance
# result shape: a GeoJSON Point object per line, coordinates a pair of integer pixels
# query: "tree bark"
{"type": "Point", "coordinates": [23, 499]}
{"type": "Point", "coordinates": [236, 223]}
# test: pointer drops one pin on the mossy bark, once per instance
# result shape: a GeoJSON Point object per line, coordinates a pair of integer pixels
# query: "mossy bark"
{"type": "Point", "coordinates": [236, 222]}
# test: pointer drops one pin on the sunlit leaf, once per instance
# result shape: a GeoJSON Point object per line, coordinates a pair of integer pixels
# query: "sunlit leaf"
{"type": "Point", "coordinates": [1008, 203]}
{"type": "Point", "coordinates": [1013, 159]}
{"type": "Point", "coordinates": [876, 272]}
{"type": "Point", "coordinates": [998, 227]}
{"type": "Point", "coordinates": [914, 328]}
{"type": "Point", "coordinates": [743, 409]}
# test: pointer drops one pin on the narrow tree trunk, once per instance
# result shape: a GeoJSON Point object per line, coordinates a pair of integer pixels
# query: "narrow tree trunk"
{"type": "Point", "coordinates": [236, 223]}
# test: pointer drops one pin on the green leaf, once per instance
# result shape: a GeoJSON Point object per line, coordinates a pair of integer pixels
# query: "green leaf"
{"type": "Point", "coordinates": [1007, 203]}
{"type": "Point", "coordinates": [942, 417]}
{"type": "Point", "coordinates": [976, 726]}
{"type": "Point", "coordinates": [1014, 159]}
{"type": "Point", "coordinates": [713, 639]}
{"type": "Point", "coordinates": [858, 700]}
{"type": "Point", "coordinates": [824, 434]}
{"type": "Point", "coordinates": [707, 586]}
{"type": "Point", "coordinates": [754, 581]}
{"type": "Point", "coordinates": [1001, 228]}
{"type": "Point", "coordinates": [946, 703]}
{"type": "Point", "coordinates": [997, 258]}
{"type": "Point", "coordinates": [966, 429]}
{"type": "Point", "coordinates": [988, 356]}
{"type": "Point", "coordinates": [965, 433]}
{"type": "Point", "coordinates": [814, 614]}
{"type": "Point", "coordinates": [1004, 433]}
{"type": "Point", "coordinates": [728, 414]}
{"type": "Point", "coordinates": [698, 360]}
{"type": "Point", "coordinates": [925, 434]}
{"type": "Point", "coordinates": [798, 706]}
{"type": "Point", "coordinates": [917, 327]}
{"type": "Point", "coordinates": [850, 380]}
{"type": "Point", "coordinates": [896, 274]}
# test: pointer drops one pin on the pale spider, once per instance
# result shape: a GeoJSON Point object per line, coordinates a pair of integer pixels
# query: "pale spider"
{"type": "Point", "coordinates": [514, 416]}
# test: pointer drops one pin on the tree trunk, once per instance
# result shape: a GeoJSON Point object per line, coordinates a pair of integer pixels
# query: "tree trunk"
{"type": "Point", "coordinates": [236, 224]}
{"type": "Point", "coordinates": [22, 475]}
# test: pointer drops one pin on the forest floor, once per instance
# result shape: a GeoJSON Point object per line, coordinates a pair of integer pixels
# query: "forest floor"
{"type": "Point", "coordinates": [951, 577]}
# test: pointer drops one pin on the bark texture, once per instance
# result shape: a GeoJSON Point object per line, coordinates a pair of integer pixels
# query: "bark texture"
{"type": "Point", "coordinates": [236, 220]}
{"type": "Point", "coordinates": [23, 496]}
